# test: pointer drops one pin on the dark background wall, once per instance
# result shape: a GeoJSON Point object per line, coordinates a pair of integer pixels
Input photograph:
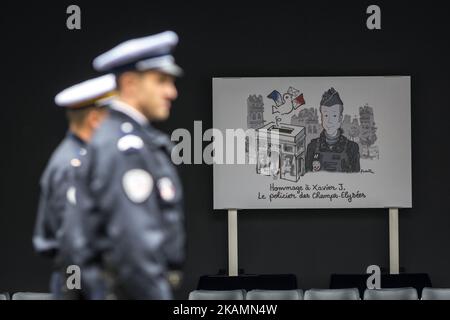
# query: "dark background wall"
{"type": "Point", "coordinates": [40, 57]}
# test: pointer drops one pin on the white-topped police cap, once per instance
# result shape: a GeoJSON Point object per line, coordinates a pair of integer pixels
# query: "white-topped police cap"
{"type": "Point", "coordinates": [141, 54]}
{"type": "Point", "coordinates": [96, 91]}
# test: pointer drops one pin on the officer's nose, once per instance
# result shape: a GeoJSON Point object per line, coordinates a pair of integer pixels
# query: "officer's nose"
{"type": "Point", "coordinates": [172, 92]}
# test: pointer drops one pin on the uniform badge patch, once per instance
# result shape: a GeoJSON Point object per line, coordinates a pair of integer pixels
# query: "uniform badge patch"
{"type": "Point", "coordinates": [75, 162]}
{"type": "Point", "coordinates": [137, 184]}
{"type": "Point", "coordinates": [126, 127]}
{"type": "Point", "coordinates": [130, 141]}
{"type": "Point", "coordinates": [166, 189]}
{"type": "Point", "coordinates": [316, 165]}
{"type": "Point", "coordinates": [71, 195]}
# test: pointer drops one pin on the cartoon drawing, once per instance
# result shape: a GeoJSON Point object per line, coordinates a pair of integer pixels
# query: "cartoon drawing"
{"type": "Point", "coordinates": [351, 128]}
{"type": "Point", "coordinates": [276, 97]}
{"type": "Point", "coordinates": [255, 111]}
{"type": "Point", "coordinates": [255, 120]}
{"type": "Point", "coordinates": [368, 131]}
{"type": "Point", "coordinates": [284, 159]}
{"type": "Point", "coordinates": [332, 151]}
{"type": "Point", "coordinates": [308, 118]}
{"type": "Point", "coordinates": [288, 102]}
{"type": "Point", "coordinates": [263, 167]}
{"type": "Point", "coordinates": [335, 144]}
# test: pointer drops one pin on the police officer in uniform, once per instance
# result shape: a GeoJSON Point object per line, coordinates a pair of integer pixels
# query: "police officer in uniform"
{"type": "Point", "coordinates": [132, 196]}
{"type": "Point", "coordinates": [332, 151]}
{"type": "Point", "coordinates": [84, 109]}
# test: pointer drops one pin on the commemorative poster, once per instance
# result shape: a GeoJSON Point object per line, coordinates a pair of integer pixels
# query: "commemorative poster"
{"type": "Point", "coordinates": [312, 142]}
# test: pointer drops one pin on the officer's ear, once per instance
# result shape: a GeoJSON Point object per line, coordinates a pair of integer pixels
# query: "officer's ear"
{"type": "Point", "coordinates": [96, 116]}
{"type": "Point", "coordinates": [127, 82]}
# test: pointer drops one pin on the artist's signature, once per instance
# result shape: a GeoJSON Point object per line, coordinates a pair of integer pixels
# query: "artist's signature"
{"type": "Point", "coordinates": [367, 171]}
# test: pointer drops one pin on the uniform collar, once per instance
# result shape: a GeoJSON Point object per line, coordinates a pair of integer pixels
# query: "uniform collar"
{"type": "Point", "coordinates": [76, 138]}
{"type": "Point", "coordinates": [336, 147]}
{"type": "Point", "coordinates": [158, 138]}
{"type": "Point", "coordinates": [153, 135]}
{"type": "Point", "coordinates": [323, 134]}
{"type": "Point", "coordinates": [133, 113]}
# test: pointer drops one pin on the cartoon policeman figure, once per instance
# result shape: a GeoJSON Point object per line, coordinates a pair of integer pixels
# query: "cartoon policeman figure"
{"type": "Point", "coordinates": [332, 151]}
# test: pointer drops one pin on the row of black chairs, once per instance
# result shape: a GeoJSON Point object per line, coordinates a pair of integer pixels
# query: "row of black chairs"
{"type": "Point", "coordinates": [408, 293]}
{"type": "Point", "coordinates": [295, 294]}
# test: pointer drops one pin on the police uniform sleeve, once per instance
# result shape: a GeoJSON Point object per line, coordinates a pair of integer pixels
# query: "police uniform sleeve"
{"type": "Point", "coordinates": [75, 247]}
{"type": "Point", "coordinates": [78, 241]}
{"type": "Point", "coordinates": [42, 241]}
{"type": "Point", "coordinates": [175, 241]}
{"type": "Point", "coordinates": [50, 206]}
{"type": "Point", "coordinates": [170, 195]}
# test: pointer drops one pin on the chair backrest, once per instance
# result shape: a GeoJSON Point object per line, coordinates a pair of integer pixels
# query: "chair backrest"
{"type": "Point", "coordinates": [259, 294]}
{"type": "Point", "coordinates": [402, 280]}
{"type": "Point", "coordinates": [391, 294]}
{"type": "Point", "coordinates": [436, 294]}
{"type": "Point", "coordinates": [217, 295]}
{"type": "Point", "coordinates": [4, 296]}
{"type": "Point", "coordinates": [32, 296]}
{"type": "Point", "coordinates": [248, 282]}
{"type": "Point", "coordinates": [332, 294]}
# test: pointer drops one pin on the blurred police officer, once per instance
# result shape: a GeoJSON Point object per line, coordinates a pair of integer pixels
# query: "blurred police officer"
{"type": "Point", "coordinates": [132, 196]}
{"type": "Point", "coordinates": [84, 110]}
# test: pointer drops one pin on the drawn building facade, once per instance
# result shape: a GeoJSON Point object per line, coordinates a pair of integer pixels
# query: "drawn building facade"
{"type": "Point", "coordinates": [255, 111]}
{"type": "Point", "coordinates": [281, 151]}
{"type": "Point", "coordinates": [309, 119]}
{"type": "Point", "coordinates": [367, 136]}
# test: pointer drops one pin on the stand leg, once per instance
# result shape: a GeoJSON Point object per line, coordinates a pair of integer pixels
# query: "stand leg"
{"type": "Point", "coordinates": [232, 243]}
{"type": "Point", "coordinates": [394, 263]}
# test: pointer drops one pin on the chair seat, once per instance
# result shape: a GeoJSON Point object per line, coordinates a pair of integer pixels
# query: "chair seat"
{"type": "Point", "coordinates": [259, 294]}
{"type": "Point", "coordinates": [217, 295]}
{"type": "Point", "coordinates": [332, 294]}
{"type": "Point", "coordinates": [391, 294]}
{"type": "Point", "coordinates": [436, 294]}
{"type": "Point", "coordinates": [32, 296]}
{"type": "Point", "coordinates": [4, 296]}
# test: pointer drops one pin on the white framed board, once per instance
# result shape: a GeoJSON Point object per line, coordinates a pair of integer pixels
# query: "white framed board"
{"type": "Point", "coordinates": [315, 142]}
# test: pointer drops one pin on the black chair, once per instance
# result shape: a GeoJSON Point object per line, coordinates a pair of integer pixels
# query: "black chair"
{"type": "Point", "coordinates": [248, 282]}
{"type": "Point", "coordinates": [436, 294]}
{"type": "Point", "coordinates": [32, 296]}
{"type": "Point", "coordinates": [5, 296]}
{"type": "Point", "coordinates": [259, 294]}
{"type": "Point", "coordinates": [402, 280]}
{"type": "Point", "coordinates": [391, 294]}
{"type": "Point", "coordinates": [332, 294]}
{"type": "Point", "coordinates": [217, 295]}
